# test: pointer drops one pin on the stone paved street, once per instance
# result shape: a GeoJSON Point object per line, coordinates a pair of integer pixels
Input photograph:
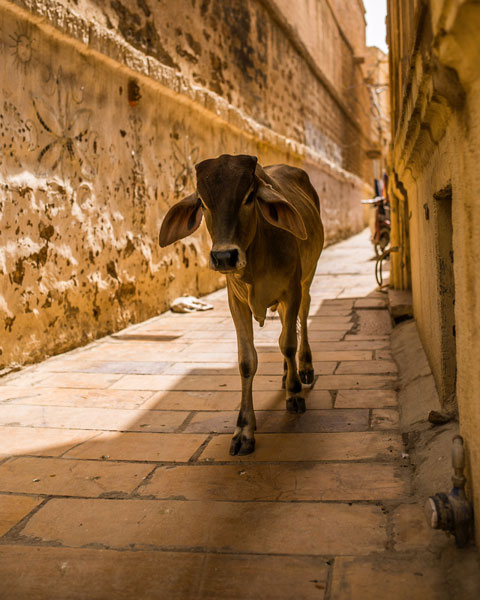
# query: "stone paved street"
{"type": "Point", "coordinates": [116, 482]}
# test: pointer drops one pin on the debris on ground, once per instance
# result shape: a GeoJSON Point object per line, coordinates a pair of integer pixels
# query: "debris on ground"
{"type": "Point", "coordinates": [440, 418]}
{"type": "Point", "coordinates": [188, 304]}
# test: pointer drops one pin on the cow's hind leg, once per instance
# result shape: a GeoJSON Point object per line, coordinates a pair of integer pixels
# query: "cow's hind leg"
{"type": "Point", "coordinates": [305, 354]}
{"type": "Point", "coordinates": [243, 441]}
{"type": "Point", "coordinates": [288, 346]}
{"type": "Point", "coordinates": [285, 373]}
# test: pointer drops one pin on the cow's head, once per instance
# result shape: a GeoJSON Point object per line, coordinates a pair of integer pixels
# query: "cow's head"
{"type": "Point", "coordinates": [232, 191]}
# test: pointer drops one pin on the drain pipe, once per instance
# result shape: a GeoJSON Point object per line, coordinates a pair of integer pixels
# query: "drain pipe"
{"type": "Point", "coordinates": [453, 512]}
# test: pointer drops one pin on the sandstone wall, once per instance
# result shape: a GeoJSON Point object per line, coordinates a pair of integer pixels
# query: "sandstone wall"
{"type": "Point", "coordinates": [104, 110]}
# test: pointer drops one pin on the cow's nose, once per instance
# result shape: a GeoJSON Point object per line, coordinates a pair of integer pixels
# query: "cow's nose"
{"type": "Point", "coordinates": [224, 259]}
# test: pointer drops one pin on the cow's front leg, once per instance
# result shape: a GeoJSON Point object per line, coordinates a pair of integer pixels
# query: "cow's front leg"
{"type": "Point", "coordinates": [305, 354]}
{"type": "Point", "coordinates": [243, 441]}
{"type": "Point", "coordinates": [288, 345]}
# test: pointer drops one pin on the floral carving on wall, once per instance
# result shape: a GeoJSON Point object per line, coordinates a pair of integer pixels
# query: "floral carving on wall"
{"type": "Point", "coordinates": [139, 186]}
{"type": "Point", "coordinates": [66, 128]}
{"type": "Point", "coordinates": [185, 155]}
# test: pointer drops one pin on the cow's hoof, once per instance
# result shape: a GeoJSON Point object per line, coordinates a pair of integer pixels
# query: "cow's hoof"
{"type": "Point", "coordinates": [296, 404]}
{"type": "Point", "coordinates": [241, 446]}
{"type": "Point", "coordinates": [306, 376]}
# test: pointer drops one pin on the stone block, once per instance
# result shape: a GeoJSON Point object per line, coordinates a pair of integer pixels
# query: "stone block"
{"type": "Point", "coordinates": [384, 418]}
{"type": "Point", "coordinates": [300, 528]}
{"type": "Point", "coordinates": [273, 482]}
{"type": "Point", "coordinates": [288, 447]}
{"type": "Point", "coordinates": [47, 573]}
{"type": "Point", "coordinates": [355, 382]}
{"type": "Point", "coordinates": [41, 441]}
{"type": "Point", "coordinates": [13, 509]}
{"type": "Point", "coordinates": [400, 304]}
{"type": "Point", "coordinates": [106, 419]}
{"type": "Point", "coordinates": [365, 398]}
{"type": "Point", "coordinates": [402, 578]}
{"type": "Point", "coordinates": [63, 477]}
{"type": "Point", "coordinates": [313, 421]}
{"type": "Point", "coordinates": [155, 447]}
{"type": "Point", "coordinates": [370, 367]}
{"type": "Point", "coordinates": [411, 531]}
{"type": "Point", "coordinates": [85, 398]}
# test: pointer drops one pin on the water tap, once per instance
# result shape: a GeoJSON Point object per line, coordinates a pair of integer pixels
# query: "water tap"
{"type": "Point", "coordinates": [452, 512]}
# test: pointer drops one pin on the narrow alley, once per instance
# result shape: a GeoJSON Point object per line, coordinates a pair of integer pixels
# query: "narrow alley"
{"type": "Point", "coordinates": [155, 150]}
{"type": "Point", "coordinates": [116, 481]}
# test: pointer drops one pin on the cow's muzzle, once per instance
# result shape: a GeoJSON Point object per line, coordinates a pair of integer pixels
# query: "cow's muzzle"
{"type": "Point", "coordinates": [226, 260]}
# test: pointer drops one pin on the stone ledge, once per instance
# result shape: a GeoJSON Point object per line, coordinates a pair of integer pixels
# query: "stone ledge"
{"type": "Point", "coordinates": [400, 304]}
{"type": "Point", "coordinates": [430, 447]}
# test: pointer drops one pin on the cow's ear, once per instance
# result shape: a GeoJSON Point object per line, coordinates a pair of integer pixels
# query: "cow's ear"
{"type": "Point", "coordinates": [276, 209]}
{"type": "Point", "coordinates": [181, 220]}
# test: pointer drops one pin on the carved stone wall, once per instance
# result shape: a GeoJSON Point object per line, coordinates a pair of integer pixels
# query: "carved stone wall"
{"type": "Point", "coordinates": [105, 107]}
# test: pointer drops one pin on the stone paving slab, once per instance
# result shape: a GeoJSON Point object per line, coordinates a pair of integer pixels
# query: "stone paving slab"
{"type": "Point", "coordinates": [313, 421]}
{"type": "Point", "coordinates": [41, 441]}
{"type": "Point", "coordinates": [203, 382]}
{"type": "Point", "coordinates": [411, 531]}
{"type": "Point", "coordinates": [384, 418]}
{"type": "Point", "coordinates": [63, 477]}
{"type": "Point", "coordinates": [373, 338]}
{"type": "Point", "coordinates": [275, 482]}
{"type": "Point", "coordinates": [81, 398]}
{"type": "Point", "coordinates": [355, 382]}
{"type": "Point", "coordinates": [299, 527]}
{"type": "Point", "coordinates": [276, 400]}
{"type": "Point", "coordinates": [225, 368]}
{"type": "Point", "coordinates": [101, 419]}
{"type": "Point", "coordinates": [197, 400]}
{"type": "Point", "coordinates": [154, 447]}
{"type": "Point", "coordinates": [110, 575]}
{"type": "Point", "coordinates": [70, 380]}
{"type": "Point", "coordinates": [13, 509]}
{"type": "Point", "coordinates": [355, 367]}
{"type": "Point", "coordinates": [124, 367]}
{"type": "Point", "coordinates": [365, 398]}
{"type": "Point", "coordinates": [208, 400]}
{"type": "Point", "coordinates": [368, 445]}
{"type": "Point", "coordinates": [377, 578]}
{"type": "Point", "coordinates": [352, 343]}
{"type": "Point", "coordinates": [335, 333]}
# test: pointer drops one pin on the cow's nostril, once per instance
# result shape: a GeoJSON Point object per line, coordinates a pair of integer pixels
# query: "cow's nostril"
{"type": "Point", "coordinates": [233, 258]}
{"type": "Point", "coordinates": [224, 259]}
{"type": "Point", "coordinates": [213, 256]}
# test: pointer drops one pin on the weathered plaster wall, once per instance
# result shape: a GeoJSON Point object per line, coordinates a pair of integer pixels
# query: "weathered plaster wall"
{"type": "Point", "coordinates": [85, 180]}
{"type": "Point", "coordinates": [376, 70]}
{"type": "Point", "coordinates": [104, 110]}
{"type": "Point", "coordinates": [435, 160]}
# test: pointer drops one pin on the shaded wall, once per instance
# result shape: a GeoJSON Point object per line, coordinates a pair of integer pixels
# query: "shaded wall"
{"type": "Point", "coordinates": [435, 78]}
{"type": "Point", "coordinates": [105, 109]}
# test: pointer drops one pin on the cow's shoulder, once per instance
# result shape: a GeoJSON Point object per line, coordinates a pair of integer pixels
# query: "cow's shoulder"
{"type": "Point", "coordinates": [289, 179]}
{"type": "Point", "coordinates": [287, 172]}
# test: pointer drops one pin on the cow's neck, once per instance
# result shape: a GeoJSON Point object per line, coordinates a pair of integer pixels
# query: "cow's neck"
{"type": "Point", "coordinates": [262, 282]}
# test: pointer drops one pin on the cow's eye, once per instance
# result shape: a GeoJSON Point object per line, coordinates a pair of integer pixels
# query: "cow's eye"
{"type": "Point", "coordinates": [250, 198]}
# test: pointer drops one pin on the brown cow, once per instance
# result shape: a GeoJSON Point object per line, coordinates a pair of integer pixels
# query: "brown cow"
{"type": "Point", "coordinates": [266, 237]}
